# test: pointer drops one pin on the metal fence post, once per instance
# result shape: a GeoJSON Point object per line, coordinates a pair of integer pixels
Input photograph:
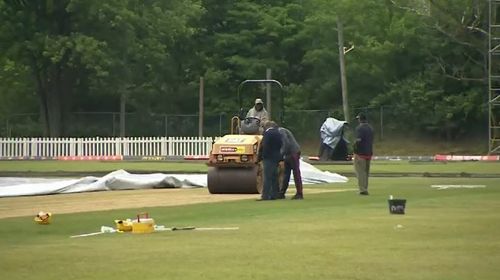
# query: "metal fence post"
{"type": "Point", "coordinates": [166, 125]}
{"type": "Point", "coordinates": [113, 127]}
{"type": "Point", "coordinates": [7, 128]}
{"type": "Point", "coordinates": [220, 124]}
{"type": "Point", "coordinates": [381, 122]}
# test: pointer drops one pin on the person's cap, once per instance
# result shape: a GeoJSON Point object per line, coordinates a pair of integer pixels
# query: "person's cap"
{"type": "Point", "coordinates": [361, 116]}
{"type": "Point", "coordinates": [258, 101]}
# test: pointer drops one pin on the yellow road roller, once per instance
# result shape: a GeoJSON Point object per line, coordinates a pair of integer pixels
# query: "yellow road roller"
{"type": "Point", "coordinates": [233, 167]}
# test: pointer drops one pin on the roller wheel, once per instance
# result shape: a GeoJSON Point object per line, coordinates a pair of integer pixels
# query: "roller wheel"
{"type": "Point", "coordinates": [234, 180]}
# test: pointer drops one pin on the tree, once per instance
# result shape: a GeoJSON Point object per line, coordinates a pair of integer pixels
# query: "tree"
{"type": "Point", "coordinates": [241, 40]}
{"type": "Point", "coordinates": [76, 47]}
{"type": "Point", "coordinates": [452, 81]}
{"type": "Point", "coordinates": [85, 54]}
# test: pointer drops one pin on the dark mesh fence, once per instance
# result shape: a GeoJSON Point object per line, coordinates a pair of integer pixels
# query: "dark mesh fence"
{"type": "Point", "coordinates": [21, 125]}
{"type": "Point", "coordinates": [85, 124]}
{"type": "Point", "coordinates": [304, 123]}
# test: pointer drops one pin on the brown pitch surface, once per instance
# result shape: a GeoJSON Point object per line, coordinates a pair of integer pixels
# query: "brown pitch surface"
{"type": "Point", "coordinates": [107, 200]}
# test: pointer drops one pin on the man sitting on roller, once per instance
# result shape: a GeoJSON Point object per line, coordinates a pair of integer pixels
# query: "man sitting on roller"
{"type": "Point", "coordinates": [255, 120]}
{"type": "Point", "coordinates": [258, 111]}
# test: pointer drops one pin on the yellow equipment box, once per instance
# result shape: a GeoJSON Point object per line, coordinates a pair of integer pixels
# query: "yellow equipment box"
{"type": "Point", "coordinates": [123, 225]}
{"type": "Point", "coordinates": [143, 224]}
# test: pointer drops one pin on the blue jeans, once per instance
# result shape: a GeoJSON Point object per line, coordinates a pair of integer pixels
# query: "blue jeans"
{"type": "Point", "coordinates": [270, 190]}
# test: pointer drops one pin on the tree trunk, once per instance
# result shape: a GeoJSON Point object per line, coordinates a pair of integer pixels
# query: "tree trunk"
{"type": "Point", "coordinates": [64, 84]}
{"type": "Point", "coordinates": [41, 90]}
{"type": "Point", "coordinates": [54, 109]}
{"type": "Point", "coordinates": [52, 86]}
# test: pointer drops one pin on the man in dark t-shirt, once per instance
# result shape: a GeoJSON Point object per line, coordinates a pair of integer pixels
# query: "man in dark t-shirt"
{"type": "Point", "coordinates": [363, 152]}
{"type": "Point", "coordinates": [270, 155]}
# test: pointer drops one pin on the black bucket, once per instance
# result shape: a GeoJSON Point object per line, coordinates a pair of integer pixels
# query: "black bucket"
{"type": "Point", "coordinates": [397, 206]}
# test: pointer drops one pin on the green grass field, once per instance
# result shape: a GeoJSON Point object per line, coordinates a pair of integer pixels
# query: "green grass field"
{"type": "Point", "coordinates": [404, 167]}
{"type": "Point", "coordinates": [445, 234]}
{"type": "Point", "coordinates": [99, 166]}
{"type": "Point", "coordinates": [58, 167]}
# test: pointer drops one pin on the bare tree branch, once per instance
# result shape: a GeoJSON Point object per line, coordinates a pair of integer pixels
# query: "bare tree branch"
{"type": "Point", "coordinates": [474, 25]}
{"type": "Point", "coordinates": [475, 61]}
{"type": "Point", "coordinates": [413, 10]}
{"type": "Point", "coordinates": [461, 78]}
{"type": "Point", "coordinates": [456, 75]}
{"type": "Point", "coordinates": [453, 37]}
{"type": "Point", "coordinates": [480, 30]}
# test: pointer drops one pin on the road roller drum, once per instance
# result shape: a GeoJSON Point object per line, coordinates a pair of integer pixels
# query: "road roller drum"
{"type": "Point", "coordinates": [246, 180]}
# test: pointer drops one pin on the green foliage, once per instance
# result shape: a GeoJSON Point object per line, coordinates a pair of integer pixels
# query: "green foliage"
{"type": "Point", "coordinates": [14, 93]}
{"type": "Point", "coordinates": [436, 111]}
{"type": "Point", "coordinates": [82, 55]}
{"type": "Point", "coordinates": [95, 47]}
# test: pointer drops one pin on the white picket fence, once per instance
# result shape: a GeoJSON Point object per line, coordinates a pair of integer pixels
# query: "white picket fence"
{"type": "Point", "coordinates": [131, 146]}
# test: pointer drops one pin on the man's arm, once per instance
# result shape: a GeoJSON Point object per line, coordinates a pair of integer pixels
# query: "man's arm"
{"type": "Point", "coordinates": [250, 113]}
{"type": "Point", "coordinates": [355, 145]}
{"type": "Point", "coordinates": [264, 118]}
{"type": "Point", "coordinates": [260, 155]}
{"type": "Point", "coordinates": [283, 150]}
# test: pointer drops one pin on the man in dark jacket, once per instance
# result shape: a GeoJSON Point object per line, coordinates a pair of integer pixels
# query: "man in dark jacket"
{"type": "Point", "coordinates": [363, 151]}
{"type": "Point", "coordinates": [291, 154]}
{"type": "Point", "coordinates": [270, 155]}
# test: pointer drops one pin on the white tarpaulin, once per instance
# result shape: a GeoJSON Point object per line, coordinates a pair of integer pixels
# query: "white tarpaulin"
{"type": "Point", "coordinates": [122, 180]}
{"type": "Point", "coordinates": [445, 187]}
{"type": "Point", "coordinates": [332, 131]}
{"type": "Point", "coordinates": [312, 175]}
